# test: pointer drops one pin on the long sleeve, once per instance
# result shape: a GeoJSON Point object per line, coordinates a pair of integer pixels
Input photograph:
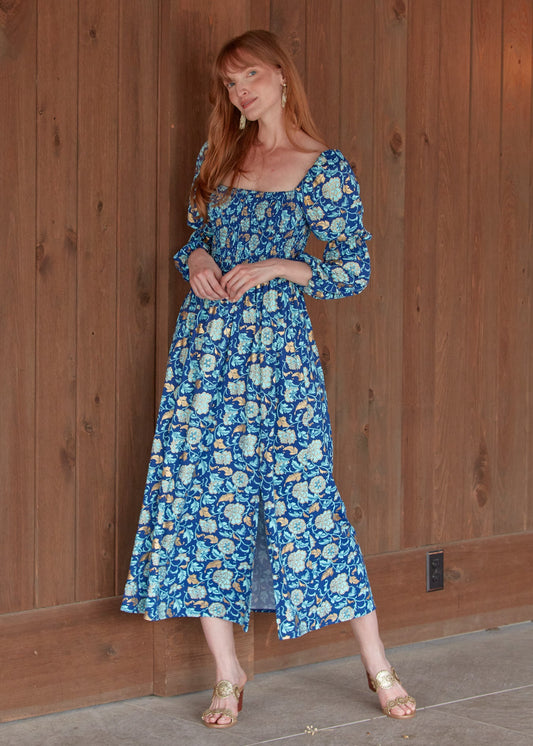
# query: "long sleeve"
{"type": "Point", "coordinates": [330, 195]}
{"type": "Point", "coordinates": [202, 230]}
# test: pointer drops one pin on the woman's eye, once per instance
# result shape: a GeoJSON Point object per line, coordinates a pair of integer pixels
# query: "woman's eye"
{"type": "Point", "coordinates": [252, 72]}
{"type": "Point", "coordinates": [229, 84]}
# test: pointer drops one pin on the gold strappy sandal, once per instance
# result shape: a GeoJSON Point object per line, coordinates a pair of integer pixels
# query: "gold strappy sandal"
{"type": "Point", "coordinates": [224, 688]}
{"type": "Point", "coordinates": [386, 680]}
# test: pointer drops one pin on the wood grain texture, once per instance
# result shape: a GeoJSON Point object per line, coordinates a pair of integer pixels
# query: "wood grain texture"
{"type": "Point", "coordinates": [419, 279]}
{"type": "Point", "coordinates": [18, 24]}
{"type": "Point", "coordinates": [56, 344]}
{"type": "Point", "coordinates": [288, 22]}
{"type": "Point", "coordinates": [530, 376]}
{"type": "Point", "coordinates": [323, 63]}
{"type": "Point", "coordinates": [383, 532]}
{"type": "Point", "coordinates": [97, 298]}
{"type": "Point", "coordinates": [259, 17]}
{"type": "Point", "coordinates": [166, 212]}
{"type": "Point", "coordinates": [136, 266]}
{"type": "Point", "coordinates": [514, 298]}
{"type": "Point", "coordinates": [356, 139]}
{"type": "Point", "coordinates": [447, 517]}
{"type": "Point", "coordinates": [481, 392]}
{"type": "Point", "coordinates": [72, 656]}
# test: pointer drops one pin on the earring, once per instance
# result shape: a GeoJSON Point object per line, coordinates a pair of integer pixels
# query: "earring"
{"type": "Point", "coordinates": [242, 122]}
{"type": "Point", "coordinates": [284, 95]}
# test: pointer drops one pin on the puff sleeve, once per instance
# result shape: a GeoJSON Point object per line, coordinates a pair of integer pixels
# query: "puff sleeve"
{"type": "Point", "coordinates": [202, 230]}
{"type": "Point", "coordinates": [334, 212]}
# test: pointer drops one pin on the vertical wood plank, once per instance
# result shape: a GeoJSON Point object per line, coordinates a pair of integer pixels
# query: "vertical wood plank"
{"type": "Point", "coordinates": [57, 61]}
{"type": "Point", "coordinates": [17, 303]}
{"type": "Point", "coordinates": [481, 391]}
{"type": "Point", "coordinates": [450, 293]}
{"type": "Point", "coordinates": [323, 64]}
{"type": "Point", "coordinates": [530, 333]}
{"type": "Point", "coordinates": [385, 412]}
{"type": "Point", "coordinates": [288, 23]}
{"type": "Point", "coordinates": [137, 182]}
{"type": "Point", "coordinates": [419, 268]}
{"type": "Point", "coordinates": [260, 14]}
{"type": "Point", "coordinates": [353, 329]}
{"type": "Point", "coordinates": [97, 283]}
{"type": "Point", "coordinates": [515, 287]}
{"type": "Point", "coordinates": [166, 212]}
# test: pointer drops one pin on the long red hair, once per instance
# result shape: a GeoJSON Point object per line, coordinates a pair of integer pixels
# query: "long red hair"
{"type": "Point", "coordinates": [227, 144]}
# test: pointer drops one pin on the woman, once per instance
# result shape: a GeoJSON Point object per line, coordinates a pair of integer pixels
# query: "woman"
{"type": "Point", "coordinates": [241, 510]}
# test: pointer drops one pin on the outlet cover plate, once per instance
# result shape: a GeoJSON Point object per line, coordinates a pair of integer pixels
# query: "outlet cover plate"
{"type": "Point", "coordinates": [435, 571]}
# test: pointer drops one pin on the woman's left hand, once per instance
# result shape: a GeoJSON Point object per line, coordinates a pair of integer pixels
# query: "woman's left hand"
{"type": "Point", "coordinates": [245, 276]}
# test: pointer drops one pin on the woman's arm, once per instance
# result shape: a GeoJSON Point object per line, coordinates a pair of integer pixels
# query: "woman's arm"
{"type": "Point", "coordinates": [245, 276]}
{"type": "Point", "coordinates": [330, 198]}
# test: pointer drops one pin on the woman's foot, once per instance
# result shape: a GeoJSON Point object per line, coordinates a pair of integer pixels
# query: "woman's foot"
{"type": "Point", "coordinates": [394, 700]}
{"type": "Point", "coordinates": [227, 700]}
{"type": "Point", "coordinates": [230, 677]}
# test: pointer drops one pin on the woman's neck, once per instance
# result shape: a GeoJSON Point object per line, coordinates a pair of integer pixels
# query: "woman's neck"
{"type": "Point", "coordinates": [272, 135]}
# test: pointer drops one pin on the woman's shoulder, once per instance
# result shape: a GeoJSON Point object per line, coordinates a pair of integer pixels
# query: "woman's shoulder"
{"type": "Point", "coordinates": [329, 164]}
{"type": "Point", "coordinates": [330, 195]}
{"type": "Point", "coordinates": [306, 148]}
{"type": "Point", "coordinates": [305, 142]}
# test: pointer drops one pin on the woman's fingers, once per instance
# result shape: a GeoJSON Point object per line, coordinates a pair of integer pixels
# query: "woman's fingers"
{"type": "Point", "coordinates": [205, 275]}
{"type": "Point", "coordinates": [207, 280]}
{"type": "Point", "coordinates": [245, 276]}
{"type": "Point", "coordinates": [205, 284]}
{"type": "Point", "coordinates": [237, 286]}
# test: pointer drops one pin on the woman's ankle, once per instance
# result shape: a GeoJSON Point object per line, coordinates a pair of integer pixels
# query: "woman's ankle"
{"type": "Point", "coordinates": [375, 660]}
{"type": "Point", "coordinates": [234, 673]}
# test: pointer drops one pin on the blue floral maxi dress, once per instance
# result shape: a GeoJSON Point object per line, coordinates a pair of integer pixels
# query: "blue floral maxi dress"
{"type": "Point", "coordinates": [240, 484]}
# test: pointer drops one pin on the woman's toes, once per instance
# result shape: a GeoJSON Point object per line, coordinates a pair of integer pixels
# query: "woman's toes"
{"type": "Point", "coordinates": [402, 710]}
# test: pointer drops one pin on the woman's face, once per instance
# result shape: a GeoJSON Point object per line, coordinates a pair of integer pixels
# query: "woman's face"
{"type": "Point", "coordinates": [255, 89]}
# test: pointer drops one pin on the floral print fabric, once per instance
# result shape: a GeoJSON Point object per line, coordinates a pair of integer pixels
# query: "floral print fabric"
{"type": "Point", "coordinates": [240, 484]}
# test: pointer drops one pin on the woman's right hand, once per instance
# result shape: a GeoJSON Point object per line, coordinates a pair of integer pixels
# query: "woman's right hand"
{"type": "Point", "coordinates": [205, 275]}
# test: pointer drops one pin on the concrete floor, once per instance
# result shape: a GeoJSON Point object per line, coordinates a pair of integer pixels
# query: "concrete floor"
{"type": "Point", "coordinates": [474, 689]}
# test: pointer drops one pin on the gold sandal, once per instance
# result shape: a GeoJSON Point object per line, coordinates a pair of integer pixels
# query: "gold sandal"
{"type": "Point", "coordinates": [386, 680]}
{"type": "Point", "coordinates": [224, 688]}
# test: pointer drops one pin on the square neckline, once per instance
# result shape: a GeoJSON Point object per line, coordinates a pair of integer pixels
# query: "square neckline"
{"type": "Point", "coordinates": [226, 187]}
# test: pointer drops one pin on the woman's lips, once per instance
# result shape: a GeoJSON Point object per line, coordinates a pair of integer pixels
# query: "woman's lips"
{"type": "Point", "coordinates": [246, 104]}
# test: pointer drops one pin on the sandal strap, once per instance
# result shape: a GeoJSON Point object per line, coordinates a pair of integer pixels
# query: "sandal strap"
{"type": "Point", "coordinates": [226, 713]}
{"type": "Point", "coordinates": [384, 680]}
{"type": "Point", "coordinates": [392, 703]}
{"type": "Point", "coordinates": [225, 688]}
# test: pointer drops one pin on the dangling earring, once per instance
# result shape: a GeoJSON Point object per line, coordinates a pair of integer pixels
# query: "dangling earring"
{"type": "Point", "coordinates": [284, 95]}
{"type": "Point", "coordinates": [242, 122]}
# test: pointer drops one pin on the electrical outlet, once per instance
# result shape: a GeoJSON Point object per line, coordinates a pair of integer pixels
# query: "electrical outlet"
{"type": "Point", "coordinates": [435, 571]}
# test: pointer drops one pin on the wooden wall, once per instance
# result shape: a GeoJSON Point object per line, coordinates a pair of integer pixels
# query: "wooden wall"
{"type": "Point", "coordinates": [429, 371]}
